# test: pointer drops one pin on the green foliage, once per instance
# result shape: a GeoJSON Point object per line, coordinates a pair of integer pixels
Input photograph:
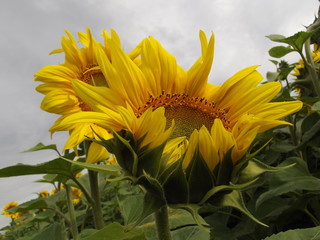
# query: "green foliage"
{"type": "Point", "coordinates": [308, 233]}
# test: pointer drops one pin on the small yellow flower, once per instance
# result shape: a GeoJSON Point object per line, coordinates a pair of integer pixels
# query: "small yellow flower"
{"type": "Point", "coordinates": [8, 206]}
{"type": "Point", "coordinates": [76, 195]}
{"type": "Point", "coordinates": [44, 193]}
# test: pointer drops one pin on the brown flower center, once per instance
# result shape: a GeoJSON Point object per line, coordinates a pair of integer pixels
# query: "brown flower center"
{"type": "Point", "coordinates": [189, 113]}
{"type": "Point", "coordinates": [94, 77]}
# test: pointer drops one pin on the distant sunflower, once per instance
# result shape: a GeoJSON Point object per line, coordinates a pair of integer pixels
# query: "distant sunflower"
{"type": "Point", "coordinates": [157, 100]}
{"type": "Point", "coordinates": [10, 205]}
{"type": "Point", "coordinates": [44, 193]}
{"type": "Point", "coordinates": [60, 97]}
{"type": "Point", "coordinates": [302, 83]}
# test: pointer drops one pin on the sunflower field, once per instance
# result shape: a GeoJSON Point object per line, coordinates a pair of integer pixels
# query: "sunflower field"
{"type": "Point", "coordinates": [156, 151]}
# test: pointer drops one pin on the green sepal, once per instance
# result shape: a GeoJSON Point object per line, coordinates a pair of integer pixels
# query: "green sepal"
{"type": "Point", "coordinates": [254, 168]}
{"type": "Point", "coordinates": [174, 182]}
{"type": "Point", "coordinates": [123, 149]}
{"type": "Point", "coordinates": [224, 169]}
{"type": "Point", "coordinates": [225, 189]}
{"type": "Point", "coordinates": [152, 185]}
{"type": "Point", "coordinates": [234, 199]}
{"type": "Point", "coordinates": [193, 209]}
{"type": "Point", "coordinates": [200, 178]}
{"type": "Point", "coordinates": [150, 160]}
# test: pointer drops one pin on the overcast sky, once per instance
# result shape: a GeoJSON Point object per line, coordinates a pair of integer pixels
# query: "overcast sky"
{"type": "Point", "coordinates": [31, 29]}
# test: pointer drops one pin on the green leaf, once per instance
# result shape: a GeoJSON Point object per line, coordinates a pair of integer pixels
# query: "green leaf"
{"type": "Point", "coordinates": [316, 107]}
{"type": "Point", "coordinates": [224, 188]}
{"type": "Point", "coordinates": [190, 233]}
{"type": "Point", "coordinates": [41, 146]}
{"type": "Point", "coordinates": [115, 231]}
{"type": "Point", "coordinates": [193, 210]}
{"type": "Point", "coordinates": [52, 232]}
{"type": "Point", "coordinates": [272, 76]}
{"type": "Point", "coordinates": [256, 168]}
{"type": "Point", "coordinates": [310, 128]}
{"type": "Point", "coordinates": [182, 226]}
{"type": "Point", "coordinates": [234, 199]}
{"type": "Point", "coordinates": [131, 208]}
{"type": "Point", "coordinates": [56, 166]}
{"type": "Point", "coordinates": [290, 180]}
{"type": "Point", "coordinates": [280, 51]}
{"type": "Point", "coordinates": [307, 233]}
{"type": "Point", "coordinates": [113, 169]}
{"type": "Point", "coordinates": [276, 37]}
{"type": "Point", "coordinates": [296, 41]}
{"type": "Point", "coordinates": [43, 216]}
{"type": "Point", "coordinates": [37, 203]}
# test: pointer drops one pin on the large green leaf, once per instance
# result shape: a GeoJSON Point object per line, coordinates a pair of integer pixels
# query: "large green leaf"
{"type": "Point", "coordinates": [52, 232]}
{"type": "Point", "coordinates": [303, 234]}
{"type": "Point", "coordinates": [115, 231]}
{"type": "Point", "coordinates": [290, 180]}
{"type": "Point", "coordinates": [234, 200]}
{"type": "Point", "coordinates": [190, 233]}
{"type": "Point", "coordinates": [56, 166]}
{"type": "Point", "coordinates": [256, 168]}
{"type": "Point", "coordinates": [113, 169]}
{"type": "Point", "coordinates": [131, 208]}
{"type": "Point", "coordinates": [182, 226]}
{"type": "Point", "coordinates": [296, 41]}
{"type": "Point", "coordinates": [37, 203]}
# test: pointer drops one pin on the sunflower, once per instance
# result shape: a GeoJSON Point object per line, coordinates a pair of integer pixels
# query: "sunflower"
{"type": "Point", "coordinates": [10, 205]}
{"type": "Point", "coordinates": [159, 102]}
{"type": "Point", "coordinates": [44, 193]}
{"type": "Point", "coordinates": [302, 83]}
{"type": "Point", "coordinates": [60, 97]}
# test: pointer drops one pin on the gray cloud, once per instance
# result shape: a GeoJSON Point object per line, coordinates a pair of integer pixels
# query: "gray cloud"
{"type": "Point", "coordinates": [31, 29]}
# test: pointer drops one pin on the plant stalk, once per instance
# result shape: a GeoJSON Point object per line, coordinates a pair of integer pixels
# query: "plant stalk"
{"type": "Point", "coordinates": [95, 194]}
{"type": "Point", "coordinates": [162, 223]}
{"type": "Point", "coordinates": [73, 222]}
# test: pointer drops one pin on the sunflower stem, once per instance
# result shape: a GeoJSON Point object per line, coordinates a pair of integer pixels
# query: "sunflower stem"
{"type": "Point", "coordinates": [73, 222]}
{"type": "Point", "coordinates": [162, 223]}
{"type": "Point", "coordinates": [95, 194]}
{"type": "Point", "coordinates": [310, 63]}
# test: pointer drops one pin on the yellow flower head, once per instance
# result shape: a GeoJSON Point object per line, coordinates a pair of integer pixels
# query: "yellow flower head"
{"type": "Point", "coordinates": [158, 101]}
{"type": "Point", "coordinates": [76, 195]}
{"type": "Point", "coordinates": [44, 193]}
{"type": "Point", "coordinates": [60, 97]}
{"type": "Point", "coordinates": [8, 206]}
